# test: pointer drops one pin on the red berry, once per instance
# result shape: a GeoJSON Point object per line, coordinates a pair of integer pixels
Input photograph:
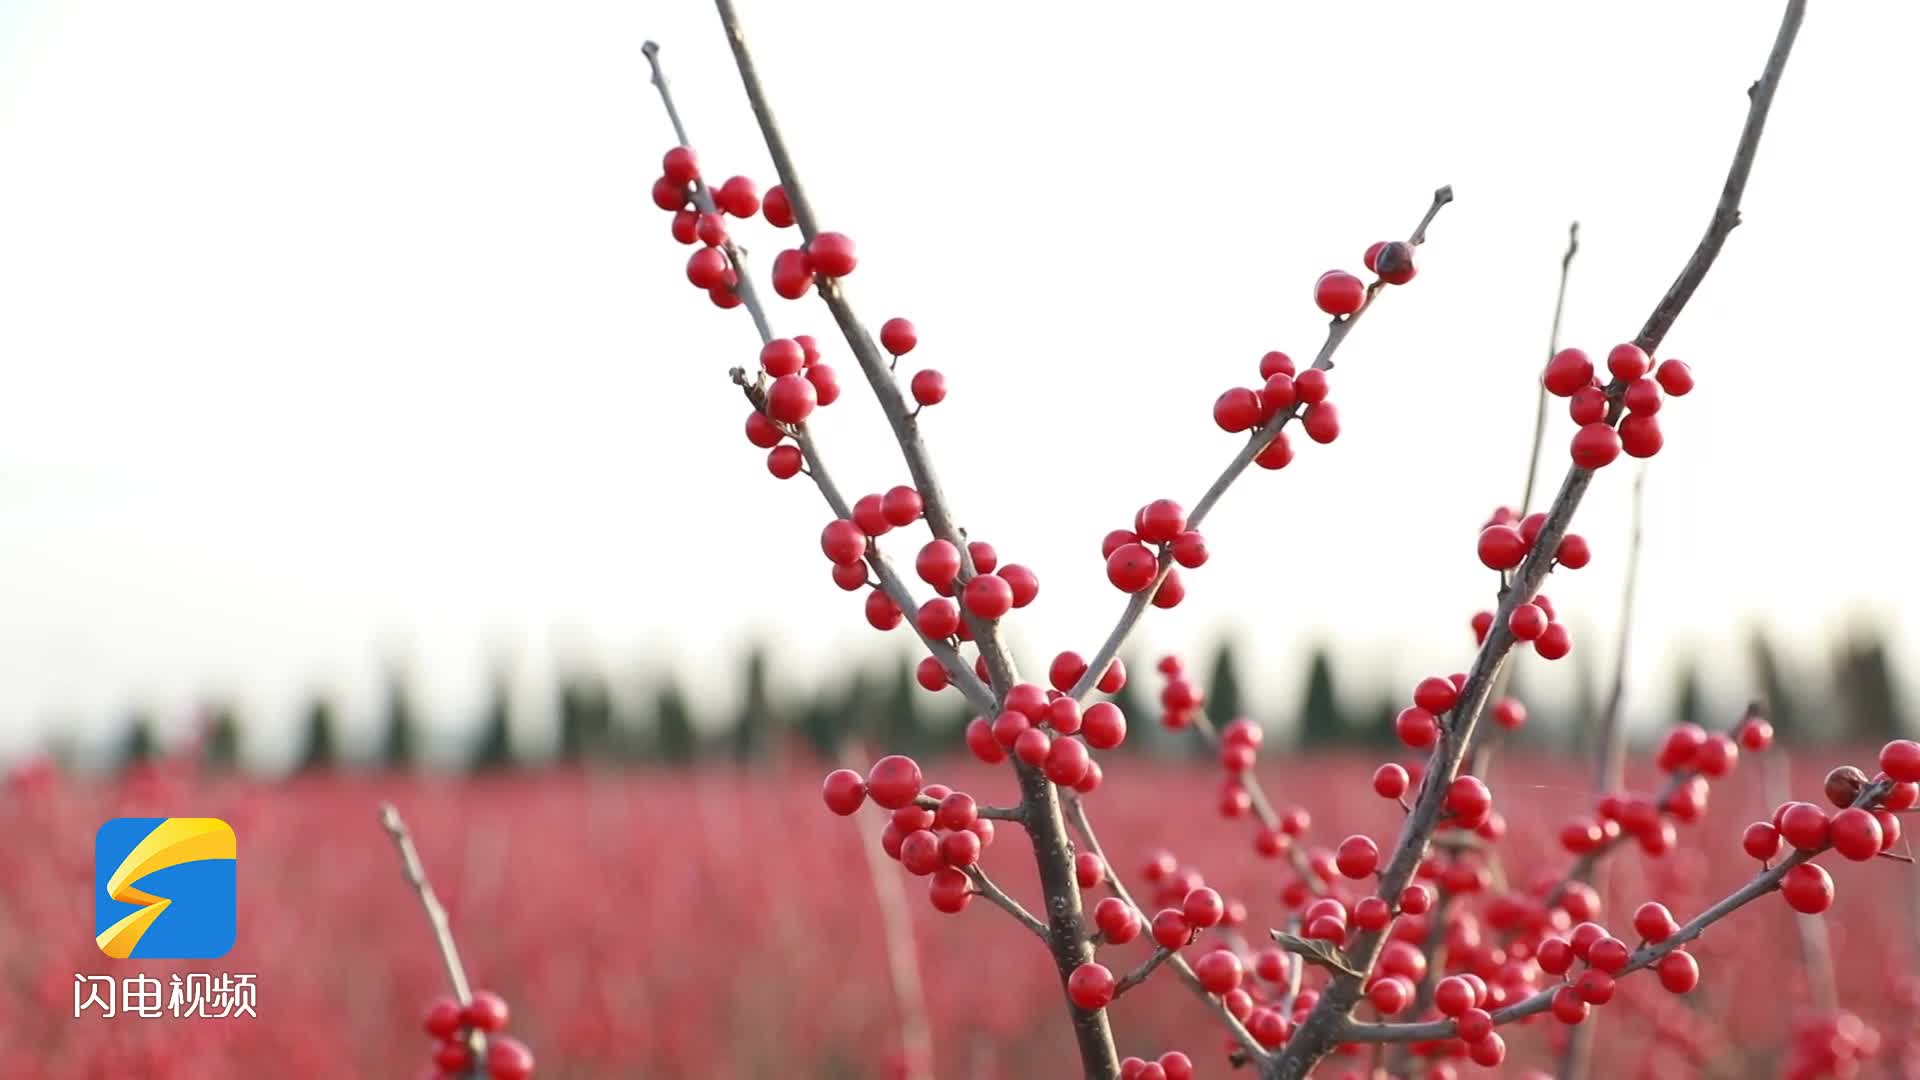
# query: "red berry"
{"type": "Point", "coordinates": [1856, 834]}
{"type": "Point", "coordinates": [1339, 293]}
{"type": "Point", "coordinates": [1680, 746]}
{"type": "Point", "coordinates": [1116, 919]}
{"type": "Point", "coordinates": [1554, 642]}
{"type": "Point", "coordinates": [1066, 761]}
{"type": "Point", "coordinates": [778, 211]}
{"type": "Point", "coordinates": [1390, 994]}
{"type": "Point", "coordinates": [1675, 377]}
{"type": "Point", "coordinates": [957, 811]}
{"type": "Point", "coordinates": [1358, 857]}
{"type": "Point", "coordinates": [931, 674]}
{"type": "Point", "coordinates": [1203, 908]}
{"type": "Point", "coordinates": [1594, 986]}
{"type": "Point", "coordinates": [1132, 567]}
{"type": "Point", "coordinates": [1488, 1052]}
{"type": "Point", "coordinates": [1170, 929]}
{"type": "Point", "coordinates": [1501, 547]}
{"type": "Point", "coordinates": [1416, 899]}
{"type": "Point", "coordinates": [1103, 725]}
{"type": "Point", "coordinates": [1322, 422]}
{"type": "Point", "coordinates": [1028, 699]}
{"type": "Point", "coordinates": [1807, 889]}
{"type": "Point", "coordinates": [444, 1018]}
{"type": "Point", "coordinates": [1275, 363]}
{"type": "Point", "coordinates": [1481, 622]}
{"type": "Point", "coordinates": [1468, 800]}
{"type": "Point", "coordinates": [1237, 409]}
{"type": "Point", "coordinates": [707, 268]}
{"type": "Point", "coordinates": [1569, 1007]}
{"type": "Point", "coordinates": [832, 254]}
{"type": "Point", "coordinates": [782, 356]}
{"type": "Point", "coordinates": [1554, 955]}
{"type": "Point", "coordinates": [1653, 922]}
{"type": "Point", "coordinates": [1609, 954]}
{"type": "Point", "coordinates": [843, 542]}
{"type": "Point", "coordinates": [508, 1058]}
{"type": "Point", "coordinates": [1588, 406]}
{"type": "Point", "coordinates": [1640, 435]}
{"type": "Point", "coordinates": [882, 612]}
{"type": "Point", "coordinates": [897, 336]}
{"type": "Point", "coordinates": [1643, 397]}
{"type": "Point", "coordinates": [938, 564]}
{"type": "Point", "coordinates": [1805, 826]}
{"type": "Point", "coordinates": [1160, 521]}
{"type": "Point", "coordinates": [1190, 549]}
{"type": "Point", "coordinates": [792, 274]}
{"type": "Point", "coordinates": [1679, 972]}
{"type": "Point", "coordinates": [938, 618]}
{"type": "Point", "coordinates": [1527, 622]}
{"type": "Point", "coordinates": [761, 431]}
{"type": "Point", "coordinates": [1567, 372]}
{"type": "Point", "coordinates": [1755, 733]}
{"type": "Point", "coordinates": [1310, 386]}
{"type": "Point", "coordinates": [901, 505]}
{"type": "Point", "coordinates": [929, 387]}
{"type": "Point", "coordinates": [1900, 759]}
{"type": "Point", "coordinates": [1090, 986]}
{"type": "Point", "coordinates": [710, 229]}
{"type": "Point", "coordinates": [980, 739]}
{"type": "Point", "coordinates": [1032, 745]}
{"type": "Point", "coordinates": [686, 225]}
{"type": "Point", "coordinates": [988, 596]}
{"type": "Point", "coordinates": [739, 197]}
{"type": "Point", "coordinates": [1278, 393]}
{"type": "Point", "coordinates": [1509, 713]}
{"type": "Point", "coordinates": [826, 383]}
{"type": "Point", "coordinates": [1761, 840]}
{"type": "Point", "coordinates": [791, 399]}
{"type": "Point", "coordinates": [1595, 446]}
{"type": "Point", "coordinates": [1394, 263]}
{"type": "Point", "coordinates": [1112, 679]}
{"type": "Point", "coordinates": [1219, 971]}
{"type": "Point", "coordinates": [1474, 1025]}
{"type": "Point", "coordinates": [1390, 781]}
{"type": "Point", "coordinates": [893, 781]}
{"type": "Point", "coordinates": [1434, 694]}
{"type": "Point", "coordinates": [1277, 455]}
{"type": "Point", "coordinates": [1416, 727]}
{"type": "Point", "coordinates": [844, 791]}
{"type": "Point", "coordinates": [681, 165]}
{"type": "Point", "coordinates": [1627, 361]}
{"type": "Point", "coordinates": [1453, 995]}
{"type": "Point", "coordinates": [486, 1012]}
{"type": "Point", "coordinates": [1025, 584]}
{"type": "Point", "coordinates": [668, 195]}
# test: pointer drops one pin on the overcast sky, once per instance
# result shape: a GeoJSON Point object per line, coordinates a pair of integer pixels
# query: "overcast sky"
{"type": "Point", "coordinates": [339, 334]}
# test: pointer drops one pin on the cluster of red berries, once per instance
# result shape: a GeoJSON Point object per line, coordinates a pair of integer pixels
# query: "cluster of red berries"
{"type": "Point", "coordinates": [1691, 757]}
{"type": "Point", "coordinates": [1135, 557]}
{"type": "Point", "coordinates": [1282, 391]}
{"type": "Point", "coordinates": [797, 382]}
{"type": "Point", "coordinates": [1636, 385]}
{"type": "Point", "coordinates": [928, 386]}
{"type": "Point", "coordinates": [1339, 293]}
{"type": "Point", "coordinates": [1856, 833]}
{"type": "Point", "coordinates": [1050, 730]}
{"type": "Point", "coordinates": [1504, 543]}
{"type": "Point", "coordinates": [1836, 1044]}
{"type": "Point", "coordinates": [677, 191]}
{"type": "Point", "coordinates": [1172, 1065]}
{"type": "Point", "coordinates": [450, 1025]}
{"type": "Point", "coordinates": [934, 831]}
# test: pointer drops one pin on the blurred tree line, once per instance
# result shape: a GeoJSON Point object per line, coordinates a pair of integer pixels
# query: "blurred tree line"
{"type": "Point", "coordinates": [1855, 699]}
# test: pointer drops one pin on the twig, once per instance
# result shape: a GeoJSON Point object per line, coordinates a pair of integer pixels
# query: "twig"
{"type": "Point", "coordinates": [1161, 954]}
{"type": "Point", "coordinates": [1078, 813]}
{"type": "Point", "coordinates": [1610, 756]}
{"type": "Point", "coordinates": [1329, 1022]}
{"type": "Point", "coordinates": [903, 954]}
{"type": "Point", "coordinates": [1553, 346]}
{"type": "Point", "coordinates": [959, 672]}
{"type": "Point", "coordinates": [1336, 333]}
{"type": "Point", "coordinates": [416, 875]}
{"type": "Point", "coordinates": [984, 885]}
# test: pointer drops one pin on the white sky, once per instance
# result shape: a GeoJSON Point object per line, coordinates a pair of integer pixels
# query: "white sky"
{"type": "Point", "coordinates": [334, 334]}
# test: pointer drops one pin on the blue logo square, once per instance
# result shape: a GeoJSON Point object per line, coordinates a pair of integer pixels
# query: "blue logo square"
{"type": "Point", "coordinates": [164, 888]}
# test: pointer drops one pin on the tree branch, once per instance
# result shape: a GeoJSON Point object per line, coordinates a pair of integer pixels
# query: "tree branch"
{"type": "Point", "coordinates": [1553, 346]}
{"type": "Point", "coordinates": [416, 875]}
{"type": "Point", "coordinates": [1337, 332]}
{"type": "Point", "coordinates": [1329, 1022]}
{"type": "Point", "coordinates": [984, 885]}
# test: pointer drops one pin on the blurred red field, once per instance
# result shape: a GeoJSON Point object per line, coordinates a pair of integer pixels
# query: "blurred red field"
{"type": "Point", "coordinates": [721, 923]}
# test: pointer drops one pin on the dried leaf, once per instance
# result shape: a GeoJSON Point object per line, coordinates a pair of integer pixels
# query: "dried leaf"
{"type": "Point", "coordinates": [1319, 953]}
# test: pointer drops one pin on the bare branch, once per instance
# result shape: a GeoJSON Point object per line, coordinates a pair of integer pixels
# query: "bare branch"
{"type": "Point", "coordinates": [1161, 954]}
{"type": "Point", "coordinates": [984, 885]}
{"type": "Point", "coordinates": [1329, 1024]}
{"type": "Point", "coordinates": [416, 875]}
{"type": "Point", "coordinates": [1553, 346]}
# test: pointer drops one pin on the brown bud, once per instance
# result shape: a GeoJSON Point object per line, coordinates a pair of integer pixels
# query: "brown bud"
{"type": "Point", "coordinates": [1844, 785]}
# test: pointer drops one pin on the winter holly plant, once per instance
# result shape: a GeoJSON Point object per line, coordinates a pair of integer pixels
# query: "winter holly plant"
{"type": "Point", "coordinates": [1353, 968]}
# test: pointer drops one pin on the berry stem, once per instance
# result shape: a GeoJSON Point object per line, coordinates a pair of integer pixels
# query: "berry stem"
{"type": "Point", "coordinates": [1336, 333]}
{"type": "Point", "coordinates": [1161, 954]}
{"type": "Point", "coordinates": [1329, 1023]}
{"type": "Point", "coordinates": [416, 875]}
{"type": "Point", "coordinates": [984, 885]}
